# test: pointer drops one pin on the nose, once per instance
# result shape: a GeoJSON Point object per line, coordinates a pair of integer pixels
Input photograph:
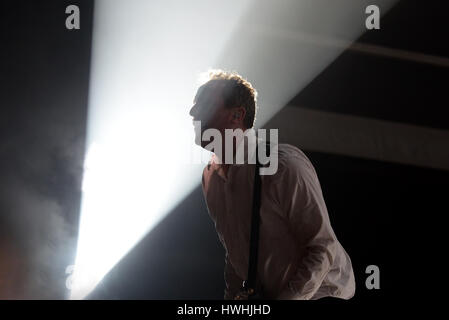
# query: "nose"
{"type": "Point", "coordinates": [192, 111]}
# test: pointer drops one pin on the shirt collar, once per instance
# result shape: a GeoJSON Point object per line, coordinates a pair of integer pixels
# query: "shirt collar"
{"type": "Point", "coordinates": [249, 150]}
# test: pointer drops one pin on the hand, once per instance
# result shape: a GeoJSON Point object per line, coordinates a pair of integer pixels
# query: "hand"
{"type": "Point", "coordinates": [241, 295]}
{"type": "Point", "coordinates": [246, 294]}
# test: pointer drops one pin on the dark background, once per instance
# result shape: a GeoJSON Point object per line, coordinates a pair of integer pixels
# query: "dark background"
{"type": "Point", "coordinates": [44, 81]}
{"type": "Point", "coordinates": [387, 214]}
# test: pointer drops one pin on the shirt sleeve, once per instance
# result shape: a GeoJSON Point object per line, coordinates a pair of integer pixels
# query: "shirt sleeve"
{"type": "Point", "coordinates": [301, 200]}
{"type": "Point", "coordinates": [232, 280]}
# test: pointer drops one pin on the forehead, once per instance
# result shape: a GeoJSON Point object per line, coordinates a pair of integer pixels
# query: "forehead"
{"type": "Point", "coordinates": [209, 91]}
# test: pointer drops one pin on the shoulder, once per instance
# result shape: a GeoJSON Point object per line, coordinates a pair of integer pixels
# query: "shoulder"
{"type": "Point", "coordinates": [295, 179]}
{"type": "Point", "coordinates": [292, 161]}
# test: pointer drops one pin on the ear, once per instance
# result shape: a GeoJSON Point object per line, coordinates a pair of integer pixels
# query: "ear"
{"type": "Point", "coordinates": [238, 115]}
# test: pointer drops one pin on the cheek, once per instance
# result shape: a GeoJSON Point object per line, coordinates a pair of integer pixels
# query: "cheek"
{"type": "Point", "coordinates": [221, 123]}
{"type": "Point", "coordinates": [214, 119]}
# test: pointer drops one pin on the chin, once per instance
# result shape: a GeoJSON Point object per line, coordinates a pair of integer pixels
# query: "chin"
{"type": "Point", "coordinates": [198, 137]}
{"type": "Point", "coordinates": [198, 140]}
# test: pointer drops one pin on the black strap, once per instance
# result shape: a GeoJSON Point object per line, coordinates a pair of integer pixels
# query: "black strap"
{"type": "Point", "coordinates": [250, 284]}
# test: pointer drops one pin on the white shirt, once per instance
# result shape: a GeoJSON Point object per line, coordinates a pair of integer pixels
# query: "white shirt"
{"type": "Point", "coordinates": [299, 254]}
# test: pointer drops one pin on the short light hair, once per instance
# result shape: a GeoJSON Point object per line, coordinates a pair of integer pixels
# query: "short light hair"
{"type": "Point", "coordinates": [236, 92]}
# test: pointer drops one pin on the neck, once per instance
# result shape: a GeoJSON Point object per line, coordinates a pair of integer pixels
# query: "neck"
{"type": "Point", "coordinates": [236, 146]}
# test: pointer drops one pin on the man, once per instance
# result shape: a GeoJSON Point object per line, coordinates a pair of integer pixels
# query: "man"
{"type": "Point", "coordinates": [299, 255]}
